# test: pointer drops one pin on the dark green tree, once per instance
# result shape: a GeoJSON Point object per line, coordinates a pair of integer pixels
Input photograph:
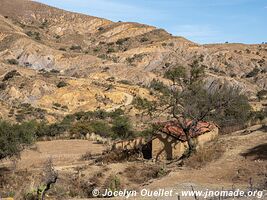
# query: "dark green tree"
{"type": "Point", "coordinates": [15, 137]}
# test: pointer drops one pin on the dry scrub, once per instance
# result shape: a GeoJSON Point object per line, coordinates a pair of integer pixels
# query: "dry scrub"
{"type": "Point", "coordinates": [143, 173]}
{"type": "Point", "coordinates": [210, 152]}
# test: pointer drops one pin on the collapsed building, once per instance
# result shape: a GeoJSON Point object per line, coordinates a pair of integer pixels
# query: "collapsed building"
{"type": "Point", "coordinates": [170, 141]}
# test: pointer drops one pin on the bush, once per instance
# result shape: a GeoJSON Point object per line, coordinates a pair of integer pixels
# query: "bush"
{"type": "Point", "coordinates": [143, 173]}
{"type": "Point", "coordinates": [262, 94]}
{"type": "Point", "coordinates": [141, 103]}
{"type": "Point", "coordinates": [100, 122]}
{"type": "Point", "coordinates": [62, 84]}
{"type": "Point", "coordinates": [175, 73]}
{"type": "Point", "coordinates": [55, 129]}
{"type": "Point", "coordinates": [235, 114]}
{"type": "Point", "coordinates": [159, 86]}
{"type": "Point", "coordinates": [81, 128]}
{"type": "Point", "coordinates": [101, 128]}
{"type": "Point", "coordinates": [54, 71]}
{"type": "Point", "coordinates": [111, 50]}
{"type": "Point", "coordinates": [100, 114]}
{"type": "Point", "coordinates": [116, 113]}
{"type": "Point", "coordinates": [125, 82]}
{"type": "Point", "coordinates": [100, 29]}
{"type": "Point", "coordinates": [253, 73]}
{"type": "Point", "coordinates": [3, 86]}
{"type": "Point", "coordinates": [14, 137]}
{"type": "Point", "coordinates": [35, 35]}
{"type": "Point", "coordinates": [62, 49]}
{"type": "Point", "coordinates": [144, 39]}
{"type": "Point", "coordinates": [75, 47]}
{"type": "Point", "coordinates": [12, 61]}
{"type": "Point", "coordinates": [10, 75]}
{"type": "Point", "coordinates": [121, 41]}
{"type": "Point", "coordinates": [122, 128]}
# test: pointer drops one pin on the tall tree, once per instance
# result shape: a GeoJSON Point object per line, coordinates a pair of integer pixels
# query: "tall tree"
{"type": "Point", "coordinates": [189, 99]}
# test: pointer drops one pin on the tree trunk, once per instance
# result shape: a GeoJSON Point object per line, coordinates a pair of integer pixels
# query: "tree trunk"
{"type": "Point", "coordinates": [191, 144]}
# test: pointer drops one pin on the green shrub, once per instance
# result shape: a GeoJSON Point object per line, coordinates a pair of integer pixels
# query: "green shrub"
{"type": "Point", "coordinates": [111, 50]}
{"type": "Point", "coordinates": [35, 35]}
{"type": "Point", "coordinates": [262, 94]}
{"type": "Point", "coordinates": [122, 40]}
{"type": "Point", "coordinates": [122, 128]}
{"type": "Point", "coordinates": [75, 47]}
{"type": "Point", "coordinates": [100, 29]}
{"type": "Point", "coordinates": [14, 137]}
{"type": "Point", "coordinates": [144, 39]}
{"type": "Point", "coordinates": [81, 128]}
{"type": "Point", "coordinates": [141, 103]}
{"type": "Point", "coordinates": [101, 128]}
{"type": "Point", "coordinates": [62, 84]}
{"type": "Point", "coordinates": [10, 75]}
{"type": "Point", "coordinates": [12, 61]}
{"type": "Point", "coordinates": [116, 113]}
{"type": "Point", "coordinates": [159, 86]}
{"type": "Point", "coordinates": [62, 49]}
{"type": "Point", "coordinates": [57, 105]}
{"type": "Point", "coordinates": [3, 86]}
{"type": "Point", "coordinates": [125, 82]}
{"type": "Point", "coordinates": [253, 73]}
{"type": "Point", "coordinates": [175, 73]}
{"type": "Point", "coordinates": [55, 129]}
{"type": "Point", "coordinates": [54, 71]}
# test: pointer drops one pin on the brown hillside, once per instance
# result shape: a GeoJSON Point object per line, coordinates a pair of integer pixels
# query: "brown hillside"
{"type": "Point", "coordinates": [87, 51]}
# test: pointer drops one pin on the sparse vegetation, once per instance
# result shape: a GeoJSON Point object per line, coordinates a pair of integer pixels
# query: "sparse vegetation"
{"type": "Point", "coordinates": [142, 174]}
{"type": "Point", "coordinates": [209, 153]}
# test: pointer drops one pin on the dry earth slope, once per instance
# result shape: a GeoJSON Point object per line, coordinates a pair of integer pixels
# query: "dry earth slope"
{"type": "Point", "coordinates": [47, 45]}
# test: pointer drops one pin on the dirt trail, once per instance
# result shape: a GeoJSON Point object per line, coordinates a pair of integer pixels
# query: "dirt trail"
{"type": "Point", "coordinates": [231, 170]}
{"type": "Point", "coordinates": [128, 101]}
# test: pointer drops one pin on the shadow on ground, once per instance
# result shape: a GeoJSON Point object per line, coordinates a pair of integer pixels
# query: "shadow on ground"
{"type": "Point", "coordinates": [258, 152]}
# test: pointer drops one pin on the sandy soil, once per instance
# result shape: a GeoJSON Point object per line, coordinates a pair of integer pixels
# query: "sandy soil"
{"type": "Point", "coordinates": [64, 153]}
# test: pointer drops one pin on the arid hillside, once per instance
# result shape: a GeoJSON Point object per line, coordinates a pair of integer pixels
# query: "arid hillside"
{"type": "Point", "coordinates": [73, 88]}
{"type": "Point", "coordinates": [66, 62]}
